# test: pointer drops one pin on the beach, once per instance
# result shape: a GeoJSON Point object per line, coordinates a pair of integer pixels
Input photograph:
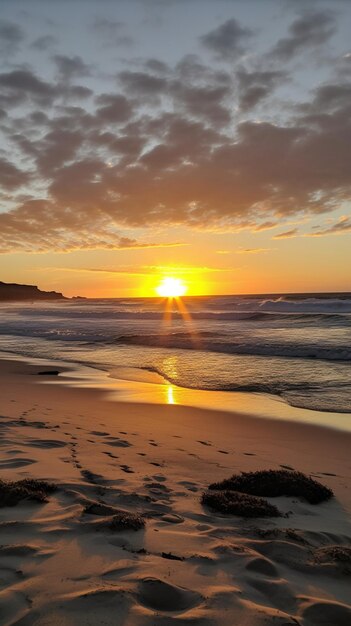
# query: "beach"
{"type": "Point", "coordinates": [63, 563]}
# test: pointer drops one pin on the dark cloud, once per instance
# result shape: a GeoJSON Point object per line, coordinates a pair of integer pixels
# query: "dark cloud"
{"type": "Point", "coordinates": [227, 40]}
{"type": "Point", "coordinates": [10, 176]}
{"type": "Point", "coordinates": [192, 70]}
{"type": "Point", "coordinates": [11, 35]}
{"type": "Point", "coordinates": [46, 42]}
{"type": "Point", "coordinates": [256, 86]}
{"type": "Point", "coordinates": [207, 103]}
{"type": "Point", "coordinates": [329, 97]}
{"type": "Point", "coordinates": [142, 84]}
{"type": "Point", "coordinates": [307, 31]}
{"type": "Point", "coordinates": [76, 92]}
{"type": "Point", "coordinates": [114, 108]}
{"type": "Point", "coordinates": [157, 66]}
{"type": "Point", "coordinates": [21, 85]}
{"type": "Point", "coordinates": [71, 67]}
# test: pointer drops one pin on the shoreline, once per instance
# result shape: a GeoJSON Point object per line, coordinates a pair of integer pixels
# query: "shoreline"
{"type": "Point", "coordinates": [62, 564]}
{"type": "Point", "coordinates": [134, 385]}
{"type": "Point", "coordinates": [70, 386]}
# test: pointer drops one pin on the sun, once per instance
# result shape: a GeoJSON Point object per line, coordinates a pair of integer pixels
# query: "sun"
{"type": "Point", "coordinates": [171, 288]}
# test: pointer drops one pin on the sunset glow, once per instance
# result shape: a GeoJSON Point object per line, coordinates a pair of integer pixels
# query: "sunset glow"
{"type": "Point", "coordinates": [171, 288]}
{"type": "Point", "coordinates": [132, 156]}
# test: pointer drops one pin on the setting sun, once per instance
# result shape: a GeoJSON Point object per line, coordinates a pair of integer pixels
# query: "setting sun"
{"type": "Point", "coordinates": [171, 288]}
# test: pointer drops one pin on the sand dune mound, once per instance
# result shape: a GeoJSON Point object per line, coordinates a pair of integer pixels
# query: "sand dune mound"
{"type": "Point", "coordinates": [275, 483]}
{"type": "Point", "coordinates": [160, 596]}
{"type": "Point", "coordinates": [326, 614]}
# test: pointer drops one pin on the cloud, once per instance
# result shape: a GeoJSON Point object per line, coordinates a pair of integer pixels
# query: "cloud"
{"type": "Point", "coordinates": [227, 40]}
{"type": "Point", "coordinates": [22, 230]}
{"type": "Point", "coordinates": [164, 145]}
{"type": "Point", "coordinates": [44, 43]}
{"type": "Point", "coordinates": [328, 98]}
{"type": "Point", "coordinates": [71, 67]}
{"type": "Point", "coordinates": [10, 176]}
{"type": "Point", "coordinates": [11, 35]}
{"type": "Point", "coordinates": [256, 86]}
{"type": "Point", "coordinates": [114, 108]}
{"type": "Point", "coordinates": [207, 103]}
{"type": "Point", "coordinates": [310, 30]}
{"type": "Point", "coordinates": [265, 226]}
{"type": "Point", "coordinates": [21, 85]}
{"type": "Point", "coordinates": [288, 234]}
{"type": "Point", "coordinates": [143, 85]}
{"type": "Point", "coordinates": [340, 227]}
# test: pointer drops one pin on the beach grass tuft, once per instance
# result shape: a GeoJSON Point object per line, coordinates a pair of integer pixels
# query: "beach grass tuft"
{"type": "Point", "coordinates": [11, 493]}
{"type": "Point", "coordinates": [241, 504]}
{"type": "Point", "coordinates": [275, 483]}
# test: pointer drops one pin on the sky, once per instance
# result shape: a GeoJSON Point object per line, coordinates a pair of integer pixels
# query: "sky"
{"type": "Point", "coordinates": [206, 140]}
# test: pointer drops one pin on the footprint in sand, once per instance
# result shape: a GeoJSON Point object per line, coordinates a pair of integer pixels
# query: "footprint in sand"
{"type": "Point", "coordinates": [112, 456]}
{"type": "Point", "coordinates": [127, 469]}
{"type": "Point", "coordinates": [14, 463]}
{"type": "Point", "coordinates": [45, 443]}
{"type": "Point", "coordinates": [159, 478]}
{"type": "Point", "coordinates": [204, 443]}
{"type": "Point", "coordinates": [95, 479]}
{"type": "Point", "coordinates": [118, 443]}
{"type": "Point", "coordinates": [188, 485]}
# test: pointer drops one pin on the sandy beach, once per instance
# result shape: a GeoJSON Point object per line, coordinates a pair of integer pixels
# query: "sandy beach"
{"type": "Point", "coordinates": [62, 563]}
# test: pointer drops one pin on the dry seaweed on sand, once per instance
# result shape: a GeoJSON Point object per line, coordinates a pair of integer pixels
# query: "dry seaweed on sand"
{"type": "Point", "coordinates": [241, 504]}
{"type": "Point", "coordinates": [335, 554]}
{"type": "Point", "coordinates": [124, 520]}
{"type": "Point", "coordinates": [11, 493]}
{"type": "Point", "coordinates": [274, 483]}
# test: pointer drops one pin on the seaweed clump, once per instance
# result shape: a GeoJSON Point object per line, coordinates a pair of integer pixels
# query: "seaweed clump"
{"type": "Point", "coordinates": [123, 520]}
{"type": "Point", "coordinates": [13, 492]}
{"type": "Point", "coordinates": [236, 503]}
{"type": "Point", "coordinates": [335, 554]}
{"type": "Point", "coordinates": [275, 483]}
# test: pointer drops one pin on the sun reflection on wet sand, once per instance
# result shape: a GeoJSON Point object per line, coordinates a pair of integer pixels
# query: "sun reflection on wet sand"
{"type": "Point", "coordinates": [170, 395]}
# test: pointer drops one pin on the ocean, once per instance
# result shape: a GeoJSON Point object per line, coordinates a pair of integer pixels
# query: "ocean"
{"type": "Point", "coordinates": [297, 347]}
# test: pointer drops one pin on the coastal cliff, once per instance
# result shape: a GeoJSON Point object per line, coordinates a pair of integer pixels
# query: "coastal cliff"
{"type": "Point", "coordinates": [12, 291]}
